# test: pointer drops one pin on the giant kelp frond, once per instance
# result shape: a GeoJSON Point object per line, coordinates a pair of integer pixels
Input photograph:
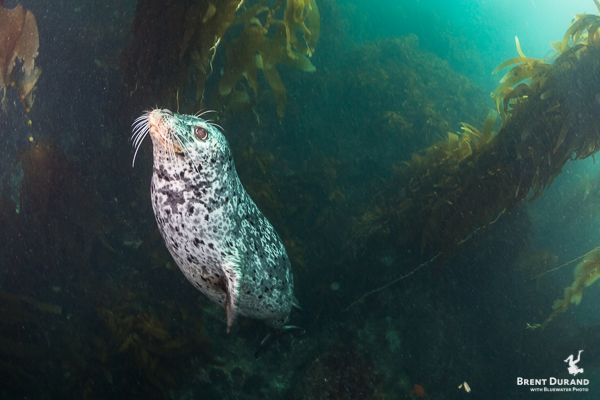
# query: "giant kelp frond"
{"type": "Point", "coordinates": [174, 48]}
{"type": "Point", "coordinates": [271, 35]}
{"type": "Point", "coordinates": [204, 27]}
{"type": "Point", "coordinates": [583, 30]}
{"type": "Point", "coordinates": [449, 153]}
{"type": "Point", "coordinates": [455, 148]}
{"type": "Point", "coordinates": [516, 83]}
{"type": "Point", "coordinates": [528, 74]}
{"type": "Point", "coordinates": [302, 24]}
{"type": "Point", "coordinates": [586, 274]}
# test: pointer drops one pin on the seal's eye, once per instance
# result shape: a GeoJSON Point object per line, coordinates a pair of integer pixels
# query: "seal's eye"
{"type": "Point", "coordinates": [200, 133]}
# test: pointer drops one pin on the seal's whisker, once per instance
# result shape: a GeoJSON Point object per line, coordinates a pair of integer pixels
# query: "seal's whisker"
{"type": "Point", "coordinates": [137, 147]}
{"type": "Point", "coordinates": [137, 142]}
{"type": "Point", "coordinates": [203, 112]}
{"type": "Point", "coordinates": [135, 155]}
{"type": "Point", "coordinates": [140, 138]}
{"type": "Point", "coordinates": [214, 124]}
{"type": "Point", "coordinates": [139, 131]}
{"type": "Point", "coordinates": [139, 126]}
{"type": "Point", "coordinates": [137, 123]}
{"type": "Point", "coordinates": [142, 117]}
{"type": "Point", "coordinates": [137, 138]}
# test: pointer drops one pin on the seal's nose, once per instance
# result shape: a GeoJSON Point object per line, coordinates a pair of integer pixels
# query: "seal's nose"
{"type": "Point", "coordinates": [154, 119]}
{"type": "Point", "coordinates": [160, 126]}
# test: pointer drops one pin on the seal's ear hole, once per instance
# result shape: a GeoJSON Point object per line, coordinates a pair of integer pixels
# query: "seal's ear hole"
{"type": "Point", "coordinates": [200, 133]}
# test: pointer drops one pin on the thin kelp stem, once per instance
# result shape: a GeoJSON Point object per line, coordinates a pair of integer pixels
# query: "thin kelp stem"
{"type": "Point", "coordinates": [393, 282]}
{"type": "Point", "coordinates": [562, 265]}
{"type": "Point", "coordinates": [424, 264]}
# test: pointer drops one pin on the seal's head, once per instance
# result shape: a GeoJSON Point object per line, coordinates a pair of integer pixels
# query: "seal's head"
{"type": "Point", "coordinates": [179, 138]}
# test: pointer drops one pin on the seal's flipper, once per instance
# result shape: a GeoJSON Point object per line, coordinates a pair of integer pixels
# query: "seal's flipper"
{"type": "Point", "coordinates": [232, 271]}
{"type": "Point", "coordinates": [230, 308]}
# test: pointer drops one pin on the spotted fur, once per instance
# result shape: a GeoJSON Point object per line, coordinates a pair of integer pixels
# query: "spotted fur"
{"type": "Point", "coordinates": [214, 231]}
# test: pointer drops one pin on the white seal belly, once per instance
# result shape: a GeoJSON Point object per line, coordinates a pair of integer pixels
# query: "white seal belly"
{"type": "Point", "coordinates": [214, 231]}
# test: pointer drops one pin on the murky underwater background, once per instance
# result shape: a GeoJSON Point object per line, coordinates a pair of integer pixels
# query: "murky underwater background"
{"type": "Point", "coordinates": [353, 165]}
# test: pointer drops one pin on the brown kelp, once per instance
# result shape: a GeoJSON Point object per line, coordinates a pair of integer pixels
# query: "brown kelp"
{"type": "Point", "coordinates": [586, 274]}
{"type": "Point", "coordinates": [19, 40]}
{"type": "Point", "coordinates": [171, 42]}
{"type": "Point", "coordinates": [205, 26]}
{"type": "Point", "coordinates": [517, 83]}
{"type": "Point", "coordinates": [271, 36]}
{"type": "Point", "coordinates": [256, 35]}
{"type": "Point", "coordinates": [451, 192]}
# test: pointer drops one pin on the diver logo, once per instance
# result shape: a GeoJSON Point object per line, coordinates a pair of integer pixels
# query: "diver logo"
{"type": "Point", "coordinates": [573, 368]}
{"type": "Point", "coordinates": [554, 384]}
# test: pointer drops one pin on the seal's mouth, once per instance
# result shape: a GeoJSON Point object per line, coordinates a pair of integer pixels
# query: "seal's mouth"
{"type": "Point", "coordinates": [157, 124]}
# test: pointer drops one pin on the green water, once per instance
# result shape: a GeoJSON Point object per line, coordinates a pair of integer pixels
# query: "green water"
{"type": "Point", "coordinates": [92, 305]}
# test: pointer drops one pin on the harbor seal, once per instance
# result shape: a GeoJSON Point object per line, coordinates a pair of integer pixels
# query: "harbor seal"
{"type": "Point", "coordinates": [214, 231]}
